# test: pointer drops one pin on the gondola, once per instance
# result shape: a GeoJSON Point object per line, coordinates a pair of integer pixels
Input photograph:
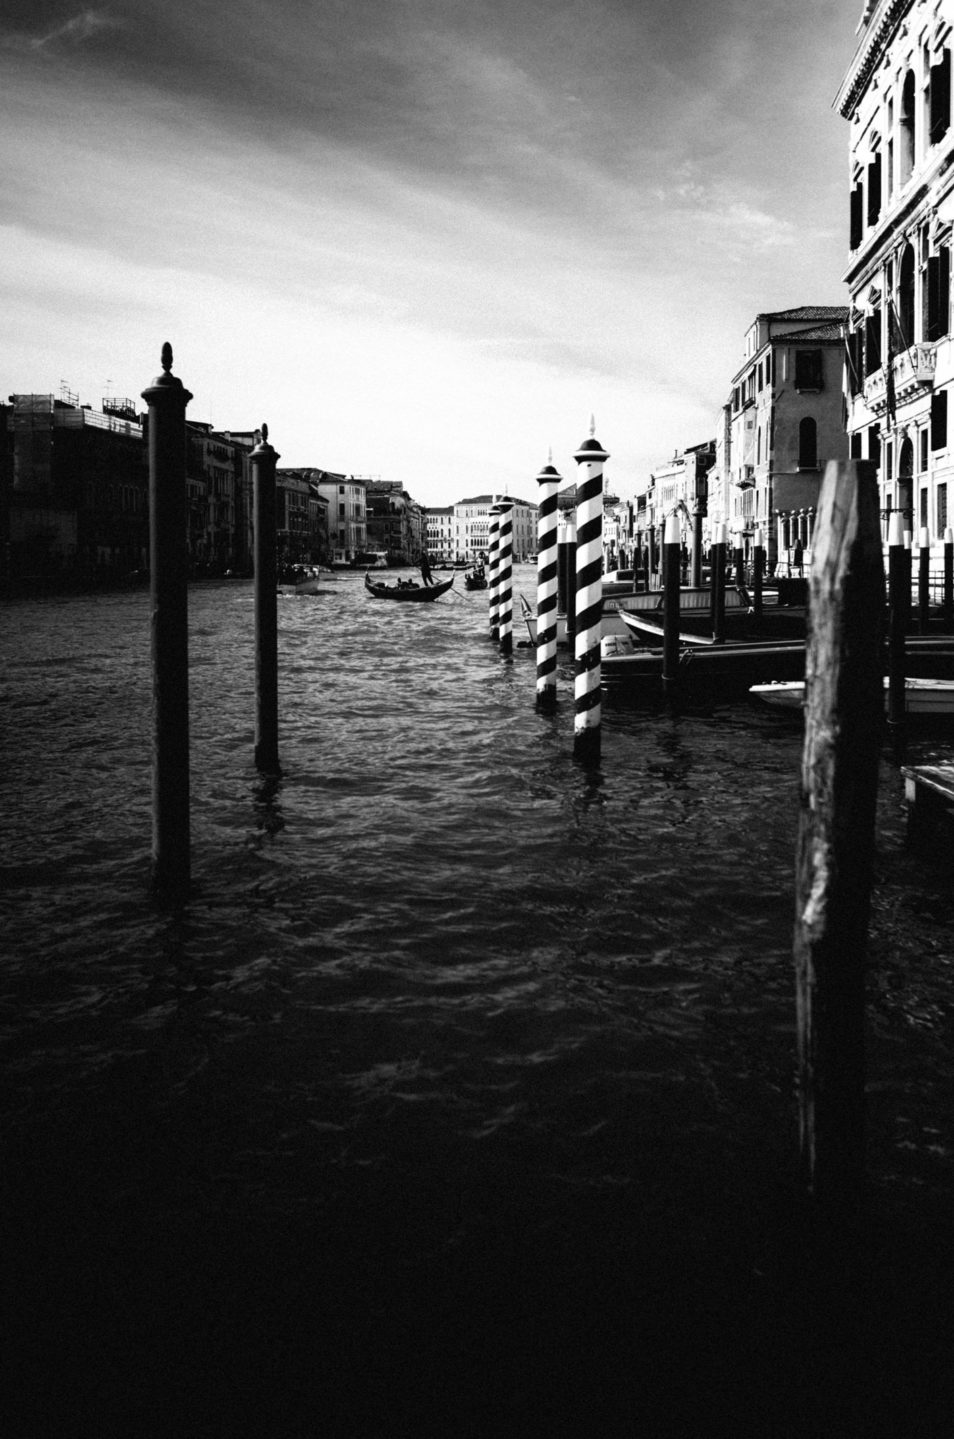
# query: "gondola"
{"type": "Point", "coordinates": [406, 590]}
{"type": "Point", "coordinates": [476, 580]}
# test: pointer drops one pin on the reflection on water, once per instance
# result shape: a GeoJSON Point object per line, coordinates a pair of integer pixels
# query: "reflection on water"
{"type": "Point", "coordinates": [438, 969]}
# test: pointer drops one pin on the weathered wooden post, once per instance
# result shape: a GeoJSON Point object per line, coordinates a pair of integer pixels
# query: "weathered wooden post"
{"type": "Point", "coordinates": [493, 570]}
{"type": "Point", "coordinates": [839, 781]}
{"type": "Point", "coordinates": [698, 515]}
{"type": "Point", "coordinates": [738, 560]}
{"type": "Point", "coordinates": [899, 589]}
{"type": "Point", "coordinates": [589, 598]}
{"type": "Point", "coordinates": [263, 461]}
{"type": "Point", "coordinates": [948, 601]}
{"type": "Point", "coordinates": [505, 578]}
{"type": "Point", "coordinates": [717, 582]}
{"type": "Point", "coordinates": [670, 662]}
{"type": "Point", "coordinates": [758, 575]}
{"type": "Point", "coordinates": [168, 580]}
{"type": "Point", "coordinates": [549, 481]}
{"type": "Point", "coordinates": [924, 580]}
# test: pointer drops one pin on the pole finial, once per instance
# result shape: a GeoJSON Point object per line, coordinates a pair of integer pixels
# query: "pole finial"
{"type": "Point", "coordinates": [550, 456]}
{"type": "Point", "coordinates": [166, 357]}
{"type": "Point", "coordinates": [592, 426]}
{"type": "Point", "coordinates": [264, 434]}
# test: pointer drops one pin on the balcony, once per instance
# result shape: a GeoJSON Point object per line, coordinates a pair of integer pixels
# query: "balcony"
{"type": "Point", "coordinates": [746, 480]}
{"type": "Point", "coordinates": [913, 373]}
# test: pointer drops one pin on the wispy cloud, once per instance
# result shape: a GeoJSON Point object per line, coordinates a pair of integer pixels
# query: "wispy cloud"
{"type": "Point", "coordinates": [70, 34]}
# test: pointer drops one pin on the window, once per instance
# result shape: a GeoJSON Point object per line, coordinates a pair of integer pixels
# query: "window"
{"type": "Point", "coordinates": [937, 294]}
{"type": "Point", "coordinates": [856, 217]}
{"type": "Point", "coordinates": [923, 450]}
{"type": "Point", "coordinates": [808, 369]}
{"type": "Point", "coordinates": [923, 509]}
{"type": "Point", "coordinates": [888, 461]}
{"type": "Point", "coordinates": [874, 189]}
{"type": "Point", "coordinates": [807, 444]}
{"type": "Point", "coordinates": [906, 297]}
{"type": "Point", "coordinates": [941, 509]}
{"type": "Point", "coordinates": [940, 98]}
{"type": "Point", "coordinates": [939, 420]}
{"type": "Point", "coordinates": [855, 446]}
{"type": "Point", "coordinates": [872, 342]}
{"type": "Point", "coordinates": [854, 360]}
{"type": "Point", "coordinates": [906, 135]}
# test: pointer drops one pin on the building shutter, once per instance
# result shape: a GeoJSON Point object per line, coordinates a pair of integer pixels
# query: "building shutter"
{"type": "Point", "coordinates": [855, 360]}
{"type": "Point", "coordinates": [808, 369]}
{"type": "Point", "coordinates": [939, 420]}
{"type": "Point", "coordinates": [872, 342]}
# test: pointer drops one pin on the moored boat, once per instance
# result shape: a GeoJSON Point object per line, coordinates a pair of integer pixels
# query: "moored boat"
{"type": "Point", "coordinates": [299, 580]}
{"type": "Point", "coordinates": [934, 697]}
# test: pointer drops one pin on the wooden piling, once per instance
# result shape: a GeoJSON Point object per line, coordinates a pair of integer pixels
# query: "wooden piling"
{"type": "Point", "coordinates": [717, 583]}
{"type": "Point", "coordinates": [671, 618]}
{"type": "Point", "coordinates": [839, 779]}
{"type": "Point", "coordinates": [948, 599]}
{"type": "Point", "coordinates": [167, 399]}
{"type": "Point", "coordinates": [758, 576]}
{"type": "Point", "coordinates": [899, 589]}
{"type": "Point", "coordinates": [924, 580]}
{"type": "Point", "coordinates": [263, 461]}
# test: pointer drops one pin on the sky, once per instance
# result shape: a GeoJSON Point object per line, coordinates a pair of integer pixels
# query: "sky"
{"type": "Point", "coordinates": [424, 240]}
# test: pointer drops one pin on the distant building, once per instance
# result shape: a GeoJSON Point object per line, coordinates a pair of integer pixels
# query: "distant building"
{"type": "Point", "coordinates": [346, 497]}
{"type": "Point", "coordinates": [440, 533]}
{"type": "Point", "coordinates": [471, 524]}
{"type": "Point", "coordinates": [783, 422]}
{"type": "Point", "coordinates": [896, 96]}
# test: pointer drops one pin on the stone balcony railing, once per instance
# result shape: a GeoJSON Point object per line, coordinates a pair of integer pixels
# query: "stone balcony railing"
{"type": "Point", "coordinates": [913, 372]}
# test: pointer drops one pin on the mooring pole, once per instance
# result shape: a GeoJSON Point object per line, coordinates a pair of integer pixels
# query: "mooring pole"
{"type": "Point", "coordinates": [671, 548]}
{"type": "Point", "coordinates": [738, 560]}
{"type": "Point", "coordinates": [549, 481]}
{"type": "Point", "coordinates": [948, 601]}
{"type": "Point", "coordinates": [899, 590]}
{"type": "Point", "coordinates": [168, 581]}
{"type": "Point", "coordinates": [569, 529]}
{"type": "Point", "coordinates": [844, 710]}
{"type": "Point", "coordinates": [505, 579]}
{"type": "Point", "coordinates": [717, 582]}
{"type": "Point", "coordinates": [698, 514]}
{"type": "Point", "coordinates": [758, 575]}
{"type": "Point", "coordinates": [589, 598]}
{"type": "Point", "coordinates": [493, 570]}
{"type": "Point", "coordinates": [924, 580]}
{"type": "Point", "coordinates": [263, 461]}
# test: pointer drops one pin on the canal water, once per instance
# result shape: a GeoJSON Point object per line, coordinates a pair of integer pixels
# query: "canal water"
{"type": "Point", "coordinates": [460, 1095]}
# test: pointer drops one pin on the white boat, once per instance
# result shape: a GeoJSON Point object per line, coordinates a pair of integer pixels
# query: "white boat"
{"type": "Point", "coordinates": [921, 696]}
{"type": "Point", "coordinates": [299, 580]}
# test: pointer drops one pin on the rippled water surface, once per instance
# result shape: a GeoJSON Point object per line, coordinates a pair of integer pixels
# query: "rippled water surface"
{"type": "Point", "coordinates": [438, 978]}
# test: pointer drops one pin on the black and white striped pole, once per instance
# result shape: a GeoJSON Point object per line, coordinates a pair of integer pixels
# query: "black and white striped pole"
{"type": "Point", "coordinates": [549, 481]}
{"type": "Point", "coordinates": [589, 598]}
{"type": "Point", "coordinates": [493, 569]}
{"type": "Point", "coordinates": [505, 578]}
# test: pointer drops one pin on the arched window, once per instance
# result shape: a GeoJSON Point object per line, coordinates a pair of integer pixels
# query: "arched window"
{"type": "Point", "coordinates": [807, 444]}
{"type": "Point", "coordinates": [907, 135]}
{"type": "Point", "coordinates": [906, 296]}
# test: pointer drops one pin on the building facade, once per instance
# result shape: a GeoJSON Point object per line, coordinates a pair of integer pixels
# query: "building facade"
{"type": "Point", "coordinates": [896, 98]}
{"type": "Point", "coordinates": [784, 420]}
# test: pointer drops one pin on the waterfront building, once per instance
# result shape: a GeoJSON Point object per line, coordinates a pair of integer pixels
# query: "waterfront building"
{"type": "Point", "coordinates": [346, 497]}
{"type": "Point", "coordinates": [471, 517]}
{"type": "Point", "coordinates": [75, 507]}
{"type": "Point", "coordinates": [391, 524]}
{"type": "Point", "coordinates": [440, 533]}
{"type": "Point", "coordinates": [782, 423]}
{"type": "Point", "coordinates": [680, 485]}
{"type": "Point", "coordinates": [896, 97]}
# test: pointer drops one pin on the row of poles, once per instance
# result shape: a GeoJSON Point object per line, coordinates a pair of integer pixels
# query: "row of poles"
{"type": "Point", "coordinates": [167, 399]}
{"type": "Point", "coordinates": [584, 592]}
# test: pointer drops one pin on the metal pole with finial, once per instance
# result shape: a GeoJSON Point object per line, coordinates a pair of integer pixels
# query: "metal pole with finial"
{"type": "Point", "coordinates": [167, 399]}
{"type": "Point", "coordinates": [589, 597]}
{"type": "Point", "coordinates": [670, 659]}
{"type": "Point", "coordinates": [505, 579]}
{"type": "Point", "coordinates": [263, 461]}
{"type": "Point", "coordinates": [549, 481]}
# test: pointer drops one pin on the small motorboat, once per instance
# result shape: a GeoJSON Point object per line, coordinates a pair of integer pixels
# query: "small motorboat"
{"type": "Point", "coordinates": [298, 580]}
{"type": "Point", "coordinates": [921, 696]}
{"type": "Point", "coordinates": [407, 590]}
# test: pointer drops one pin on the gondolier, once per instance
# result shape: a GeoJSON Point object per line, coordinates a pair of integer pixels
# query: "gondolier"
{"type": "Point", "coordinates": [426, 568]}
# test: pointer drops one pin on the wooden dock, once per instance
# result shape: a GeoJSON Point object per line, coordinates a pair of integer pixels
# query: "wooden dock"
{"type": "Point", "coordinates": [929, 792]}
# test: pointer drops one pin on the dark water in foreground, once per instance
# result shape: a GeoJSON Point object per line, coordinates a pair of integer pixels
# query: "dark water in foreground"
{"type": "Point", "coordinates": [459, 1099]}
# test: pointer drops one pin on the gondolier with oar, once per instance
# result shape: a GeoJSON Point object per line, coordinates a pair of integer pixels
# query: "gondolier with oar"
{"type": "Point", "coordinates": [426, 568]}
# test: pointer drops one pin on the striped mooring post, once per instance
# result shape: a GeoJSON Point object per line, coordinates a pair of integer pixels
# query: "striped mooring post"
{"type": "Point", "coordinates": [262, 462]}
{"type": "Point", "coordinates": [549, 481]}
{"type": "Point", "coordinates": [589, 597]}
{"type": "Point", "coordinates": [505, 578]}
{"type": "Point", "coordinates": [493, 569]}
{"type": "Point", "coordinates": [167, 399]}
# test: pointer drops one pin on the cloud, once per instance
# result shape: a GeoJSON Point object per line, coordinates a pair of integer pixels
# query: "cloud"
{"type": "Point", "coordinates": [69, 34]}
